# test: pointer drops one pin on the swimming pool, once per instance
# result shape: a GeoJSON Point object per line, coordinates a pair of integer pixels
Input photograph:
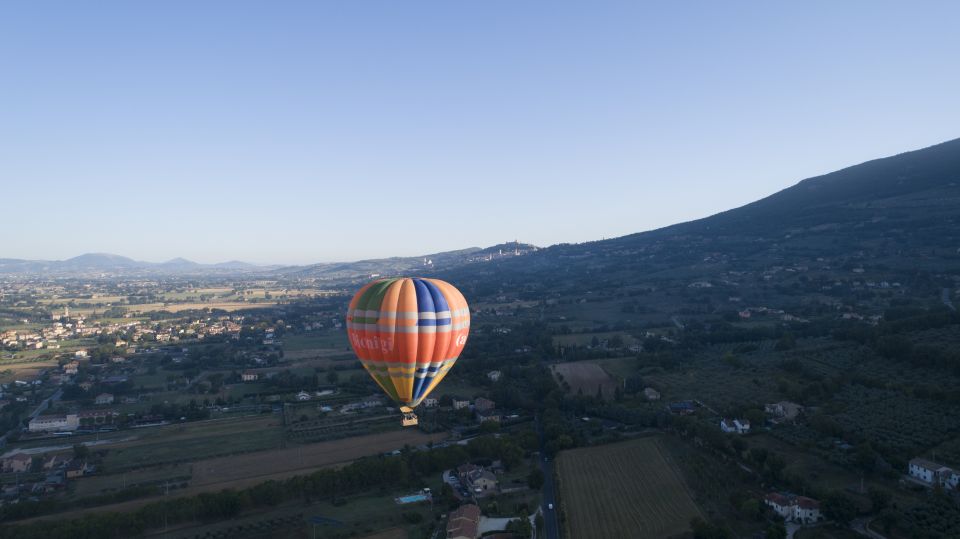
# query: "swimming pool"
{"type": "Point", "coordinates": [413, 498]}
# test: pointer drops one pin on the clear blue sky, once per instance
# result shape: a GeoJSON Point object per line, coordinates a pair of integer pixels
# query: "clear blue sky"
{"type": "Point", "coordinates": [289, 132]}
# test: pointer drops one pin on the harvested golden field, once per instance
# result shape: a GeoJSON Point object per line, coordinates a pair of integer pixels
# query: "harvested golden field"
{"type": "Point", "coordinates": [627, 490]}
{"type": "Point", "coordinates": [585, 376]}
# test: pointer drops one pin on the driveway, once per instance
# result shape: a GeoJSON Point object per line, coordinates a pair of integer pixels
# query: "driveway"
{"type": "Point", "coordinates": [861, 526]}
{"type": "Point", "coordinates": [488, 524]}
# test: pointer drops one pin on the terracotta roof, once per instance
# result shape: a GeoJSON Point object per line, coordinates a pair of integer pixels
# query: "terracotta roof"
{"type": "Point", "coordinates": [778, 499]}
{"type": "Point", "coordinates": [464, 522]}
{"type": "Point", "coordinates": [807, 503]}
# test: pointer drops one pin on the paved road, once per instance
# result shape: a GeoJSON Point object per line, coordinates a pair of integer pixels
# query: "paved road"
{"type": "Point", "coordinates": [551, 527]}
{"type": "Point", "coordinates": [39, 410]}
{"type": "Point", "coordinates": [46, 403]}
{"type": "Point", "coordinates": [860, 525]}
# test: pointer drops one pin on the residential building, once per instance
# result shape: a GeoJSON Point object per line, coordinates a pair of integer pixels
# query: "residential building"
{"type": "Point", "coordinates": [54, 423]}
{"type": "Point", "coordinates": [459, 404]}
{"type": "Point", "coordinates": [249, 376]}
{"type": "Point", "coordinates": [783, 411]}
{"type": "Point", "coordinates": [932, 473]}
{"type": "Point", "coordinates": [303, 396]}
{"type": "Point", "coordinates": [780, 504]}
{"type": "Point", "coordinates": [76, 469]}
{"type": "Point", "coordinates": [488, 415]}
{"type": "Point", "coordinates": [651, 394]}
{"type": "Point", "coordinates": [464, 522]}
{"type": "Point", "coordinates": [484, 481]}
{"type": "Point", "coordinates": [794, 508]}
{"type": "Point", "coordinates": [737, 426]}
{"type": "Point", "coordinates": [682, 408]}
{"type": "Point", "coordinates": [17, 463]}
{"type": "Point", "coordinates": [806, 510]}
{"type": "Point", "coordinates": [482, 404]}
{"type": "Point", "coordinates": [104, 398]}
{"type": "Point", "coordinates": [476, 478]}
{"type": "Point", "coordinates": [494, 375]}
{"type": "Point", "coordinates": [430, 402]}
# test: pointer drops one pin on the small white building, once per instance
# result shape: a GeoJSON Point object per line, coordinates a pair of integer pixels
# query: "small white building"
{"type": "Point", "coordinates": [794, 508]}
{"type": "Point", "coordinates": [104, 398]}
{"type": "Point", "coordinates": [249, 376]}
{"type": "Point", "coordinates": [460, 404]}
{"type": "Point", "coordinates": [494, 375]}
{"type": "Point", "coordinates": [932, 473]}
{"type": "Point", "coordinates": [303, 396]}
{"type": "Point", "coordinates": [737, 426]}
{"type": "Point", "coordinates": [54, 423]}
{"type": "Point", "coordinates": [651, 394]}
{"type": "Point", "coordinates": [430, 402]}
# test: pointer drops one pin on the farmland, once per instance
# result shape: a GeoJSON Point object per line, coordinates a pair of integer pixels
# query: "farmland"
{"type": "Point", "coordinates": [585, 377]}
{"type": "Point", "coordinates": [245, 470]}
{"type": "Point", "coordinates": [627, 489]}
{"type": "Point", "coordinates": [233, 468]}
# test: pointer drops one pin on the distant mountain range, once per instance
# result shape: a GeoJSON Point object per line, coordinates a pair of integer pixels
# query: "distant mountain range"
{"type": "Point", "coordinates": [110, 264]}
{"type": "Point", "coordinates": [901, 212]}
{"type": "Point", "coordinates": [96, 263]}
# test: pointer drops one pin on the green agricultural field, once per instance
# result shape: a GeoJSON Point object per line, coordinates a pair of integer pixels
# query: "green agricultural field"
{"type": "Point", "coordinates": [621, 367]}
{"type": "Point", "coordinates": [99, 484]}
{"type": "Point", "coordinates": [189, 442]}
{"type": "Point", "coordinates": [627, 489]}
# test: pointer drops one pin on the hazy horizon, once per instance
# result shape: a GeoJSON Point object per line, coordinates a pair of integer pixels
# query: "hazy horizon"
{"type": "Point", "coordinates": [311, 134]}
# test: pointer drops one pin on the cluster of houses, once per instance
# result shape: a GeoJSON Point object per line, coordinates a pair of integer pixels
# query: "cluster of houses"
{"type": "Point", "coordinates": [64, 327]}
{"type": "Point", "coordinates": [57, 469]}
{"type": "Point", "coordinates": [933, 474]}
{"type": "Point", "coordinates": [794, 508]}
{"type": "Point", "coordinates": [786, 317]}
{"type": "Point", "coordinates": [484, 409]}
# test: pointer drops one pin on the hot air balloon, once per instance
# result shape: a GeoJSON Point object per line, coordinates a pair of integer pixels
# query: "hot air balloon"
{"type": "Point", "coordinates": [408, 333]}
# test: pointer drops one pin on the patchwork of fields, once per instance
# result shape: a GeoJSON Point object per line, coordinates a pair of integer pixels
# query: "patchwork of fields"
{"type": "Point", "coordinates": [627, 490]}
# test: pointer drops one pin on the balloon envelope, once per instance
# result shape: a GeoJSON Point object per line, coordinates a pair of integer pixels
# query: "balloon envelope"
{"type": "Point", "coordinates": [408, 333]}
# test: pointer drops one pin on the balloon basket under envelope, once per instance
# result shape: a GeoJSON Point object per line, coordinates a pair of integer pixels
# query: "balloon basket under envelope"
{"type": "Point", "coordinates": [409, 418]}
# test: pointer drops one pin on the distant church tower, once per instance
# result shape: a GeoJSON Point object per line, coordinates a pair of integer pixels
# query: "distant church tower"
{"type": "Point", "coordinates": [66, 312]}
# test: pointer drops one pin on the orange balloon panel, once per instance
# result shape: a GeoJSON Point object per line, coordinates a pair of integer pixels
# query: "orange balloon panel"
{"type": "Point", "coordinates": [408, 332]}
